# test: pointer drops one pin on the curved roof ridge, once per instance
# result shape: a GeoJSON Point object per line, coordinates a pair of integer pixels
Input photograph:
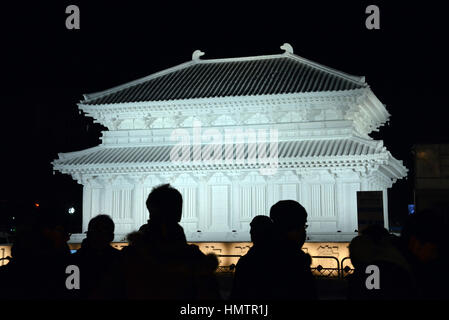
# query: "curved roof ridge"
{"type": "Point", "coordinates": [224, 77]}
{"type": "Point", "coordinates": [99, 94]}
{"type": "Point", "coordinates": [358, 79]}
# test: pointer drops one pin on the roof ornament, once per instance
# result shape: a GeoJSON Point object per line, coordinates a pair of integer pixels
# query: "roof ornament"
{"type": "Point", "coordinates": [287, 48]}
{"type": "Point", "coordinates": [197, 54]}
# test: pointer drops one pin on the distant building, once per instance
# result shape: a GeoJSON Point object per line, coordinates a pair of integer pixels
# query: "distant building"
{"type": "Point", "coordinates": [235, 136]}
{"type": "Point", "coordinates": [431, 175]}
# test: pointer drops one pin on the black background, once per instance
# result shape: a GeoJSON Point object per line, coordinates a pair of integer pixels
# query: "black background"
{"type": "Point", "coordinates": [46, 68]}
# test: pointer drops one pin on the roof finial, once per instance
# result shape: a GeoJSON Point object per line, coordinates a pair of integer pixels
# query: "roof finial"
{"type": "Point", "coordinates": [197, 54]}
{"type": "Point", "coordinates": [287, 47]}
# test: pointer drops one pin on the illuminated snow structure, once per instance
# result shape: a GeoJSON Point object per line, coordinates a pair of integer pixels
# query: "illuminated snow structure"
{"type": "Point", "coordinates": [208, 125]}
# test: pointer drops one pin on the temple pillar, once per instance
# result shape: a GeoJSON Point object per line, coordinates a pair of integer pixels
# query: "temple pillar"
{"type": "Point", "coordinates": [385, 207]}
{"type": "Point", "coordinates": [87, 206]}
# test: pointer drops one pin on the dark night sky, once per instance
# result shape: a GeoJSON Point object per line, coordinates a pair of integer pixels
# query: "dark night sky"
{"type": "Point", "coordinates": [46, 69]}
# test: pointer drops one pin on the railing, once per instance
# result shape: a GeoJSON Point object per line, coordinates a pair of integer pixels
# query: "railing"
{"type": "Point", "coordinates": [339, 271]}
{"type": "Point", "coordinates": [326, 272]}
{"type": "Point", "coordinates": [227, 268]}
{"type": "Point", "coordinates": [345, 270]}
{"type": "Point", "coordinates": [2, 257]}
{"type": "Point", "coordinates": [2, 261]}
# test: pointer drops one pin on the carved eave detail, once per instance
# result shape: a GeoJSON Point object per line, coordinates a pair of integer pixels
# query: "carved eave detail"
{"type": "Point", "coordinates": [270, 108]}
{"type": "Point", "coordinates": [359, 163]}
{"type": "Point", "coordinates": [367, 113]}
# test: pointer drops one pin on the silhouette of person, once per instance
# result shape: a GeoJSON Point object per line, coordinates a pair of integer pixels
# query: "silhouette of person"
{"type": "Point", "coordinates": [425, 245]}
{"type": "Point", "coordinates": [158, 263]}
{"type": "Point", "coordinates": [375, 247]}
{"type": "Point", "coordinates": [40, 255]}
{"type": "Point", "coordinates": [261, 231]}
{"type": "Point", "coordinates": [293, 278]}
{"type": "Point", "coordinates": [96, 255]}
{"type": "Point", "coordinates": [252, 269]}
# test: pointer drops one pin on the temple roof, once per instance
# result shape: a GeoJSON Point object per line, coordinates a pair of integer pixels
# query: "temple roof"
{"type": "Point", "coordinates": [247, 76]}
{"type": "Point", "coordinates": [158, 157]}
{"type": "Point", "coordinates": [143, 154]}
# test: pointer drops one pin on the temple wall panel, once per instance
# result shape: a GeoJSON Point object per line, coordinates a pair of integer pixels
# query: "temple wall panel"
{"type": "Point", "coordinates": [328, 200]}
{"type": "Point", "coordinates": [340, 205]}
{"type": "Point", "coordinates": [87, 206]}
{"type": "Point", "coordinates": [245, 203]}
{"type": "Point", "coordinates": [145, 192]}
{"type": "Point", "coordinates": [252, 202]}
{"type": "Point", "coordinates": [203, 216]}
{"type": "Point", "coordinates": [260, 200]}
{"type": "Point", "coordinates": [289, 191]}
{"type": "Point", "coordinates": [96, 204]}
{"type": "Point", "coordinates": [305, 197]}
{"type": "Point", "coordinates": [385, 207]}
{"type": "Point", "coordinates": [139, 212]}
{"type": "Point", "coordinates": [219, 199]}
{"type": "Point", "coordinates": [349, 207]}
{"type": "Point", "coordinates": [315, 201]}
{"type": "Point", "coordinates": [189, 219]}
{"type": "Point", "coordinates": [121, 210]}
{"type": "Point", "coordinates": [106, 200]}
{"type": "Point", "coordinates": [222, 202]}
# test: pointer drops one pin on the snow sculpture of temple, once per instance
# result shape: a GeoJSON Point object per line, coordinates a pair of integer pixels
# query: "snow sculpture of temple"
{"type": "Point", "coordinates": [235, 136]}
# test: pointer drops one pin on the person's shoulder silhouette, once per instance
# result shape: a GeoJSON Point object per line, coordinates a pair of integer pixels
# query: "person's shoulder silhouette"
{"type": "Point", "coordinates": [292, 268]}
{"type": "Point", "coordinates": [160, 263]}
{"type": "Point", "coordinates": [40, 255]}
{"type": "Point", "coordinates": [425, 244]}
{"type": "Point", "coordinates": [375, 247]}
{"type": "Point", "coordinates": [96, 257]}
{"type": "Point", "coordinates": [252, 272]}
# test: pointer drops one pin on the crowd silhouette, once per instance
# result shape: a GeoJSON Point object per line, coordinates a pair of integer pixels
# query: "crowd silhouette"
{"type": "Point", "coordinates": [159, 264]}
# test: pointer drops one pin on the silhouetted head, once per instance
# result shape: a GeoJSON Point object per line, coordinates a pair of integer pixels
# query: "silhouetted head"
{"type": "Point", "coordinates": [39, 234]}
{"type": "Point", "coordinates": [164, 204]}
{"type": "Point", "coordinates": [361, 251]}
{"type": "Point", "coordinates": [211, 262]}
{"type": "Point", "coordinates": [100, 231]}
{"type": "Point", "coordinates": [155, 233]}
{"type": "Point", "coordinates": [261, 229]}
{"type": "Point", "coordinates": [424, 234]}
{"type": "Point", "coordinates": [377, 233]}
{"type": "Point", "coordinates": [26, 242]}
{"type": "Point", "coordinates": [290, 219]}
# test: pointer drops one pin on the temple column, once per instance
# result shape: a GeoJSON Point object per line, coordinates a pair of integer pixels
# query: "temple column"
{"type": "Point", "coordinates": [106, 198]}
{"type": "Point", "coordinates": [136, 202]}
{"type": "Point", "coordinates": [340, 207]}
{"type": "Point", "coordinates": [203, 214]}
{"type": "Point", "coordinates": [87, 206]}
{"type": "Point", "coordinates": [235, 203]}
{"type": "Point", "coordinates": [385, 207]}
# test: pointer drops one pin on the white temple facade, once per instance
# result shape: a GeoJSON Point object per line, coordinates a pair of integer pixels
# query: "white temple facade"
{"type": "Point", "coordinates": [235, 136]}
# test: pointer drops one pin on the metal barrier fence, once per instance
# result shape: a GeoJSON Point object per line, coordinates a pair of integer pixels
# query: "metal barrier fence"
{"type": "Point", "coordinates": [2, 257]}
{"type": "Point", "coordinates": [326, 272]}
{"type": "Point", "coordinates": [4, 261]}
{"type": "Point", "coordinates": [228, 268]}
{"type": "Point", "coordinates": [345, 270]}
{"type": "Point", "coordinates": [339, 271]}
